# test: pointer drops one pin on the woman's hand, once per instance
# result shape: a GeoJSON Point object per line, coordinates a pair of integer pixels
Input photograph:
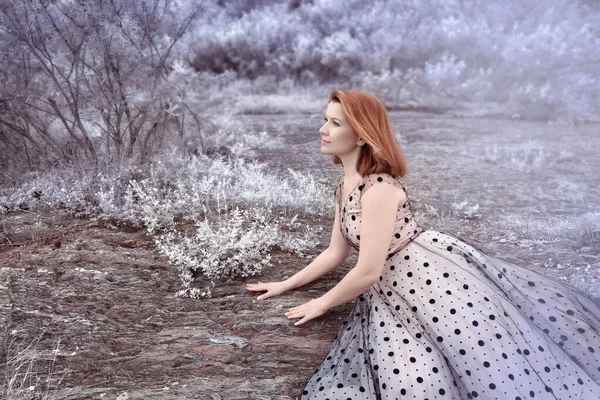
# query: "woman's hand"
{"type": "Point", "coordinates": [272, 288]}
{"type": "Point", "coordinates": [307, 311]}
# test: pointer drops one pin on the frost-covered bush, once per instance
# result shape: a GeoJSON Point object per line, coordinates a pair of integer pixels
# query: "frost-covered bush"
{"type": "Point", "coordinates": [236, 244]}
{"type": "Point", "coordinates": [429, 216]}
{"type": "Point", "coordinates": [242, 210]}
{"type": "Point", "coordinates": [178, 189]}
{"type": "Point", "coordinates": [583, 227]}
{"type": "Point", "coordinates": [522, 59]}
{"type": "Point", "coordinates": [68, 189]}
{"type": "Point", "coordinates": [169, 189]}
{"type": "Point", "coordinates": [522, 157]}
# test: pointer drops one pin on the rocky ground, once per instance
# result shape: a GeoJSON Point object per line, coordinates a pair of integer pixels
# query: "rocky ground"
{"type": "Point", "coordinates": [95, 303]}
{"type": "Point", "coordinates": [100, 300]}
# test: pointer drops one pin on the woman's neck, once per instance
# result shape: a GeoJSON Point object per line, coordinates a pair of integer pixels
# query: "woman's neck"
{"type": "Point", "coordinates": [349, 162]}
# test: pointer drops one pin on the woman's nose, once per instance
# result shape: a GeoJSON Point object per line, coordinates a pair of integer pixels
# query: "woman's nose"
{"type": "Point", "coordinates": [323, 131]}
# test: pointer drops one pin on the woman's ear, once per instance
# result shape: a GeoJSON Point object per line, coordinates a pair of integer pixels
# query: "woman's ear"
{"type": "Point", "coordinates": [360, 142]}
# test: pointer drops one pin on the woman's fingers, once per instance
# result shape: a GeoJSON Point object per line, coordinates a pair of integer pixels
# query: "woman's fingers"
{"type": "Point", "coordinates": [295, 315]}
{"type": "Point", "coordinates": [264, 296]}
{"type": "Point", "coordinates": [303, 320]}
{"type": "Point", "coordinates": [296, 312]}
{"type": "Point", "coordinates": [256, 286]}
{"type": "Point", "coordinates": [306, 311]}
{"type": "Point", "coordinates": [293, 310]}
{"type": "Point", "coordinates": [271, 288]}
{"type": "Point", "coordinates": [299, 314]}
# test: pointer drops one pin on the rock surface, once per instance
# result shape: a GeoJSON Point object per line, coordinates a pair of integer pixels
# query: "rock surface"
{"type": "Point", "coordinates": [99, 301]}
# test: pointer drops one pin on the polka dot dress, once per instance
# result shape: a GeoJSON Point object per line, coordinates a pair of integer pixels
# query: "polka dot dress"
{"type": "Point", "coordinates": [446, 321]}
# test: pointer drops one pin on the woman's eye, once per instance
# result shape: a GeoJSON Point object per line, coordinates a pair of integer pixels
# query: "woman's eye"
{"type": "Point", "coordinates": [333, 122]}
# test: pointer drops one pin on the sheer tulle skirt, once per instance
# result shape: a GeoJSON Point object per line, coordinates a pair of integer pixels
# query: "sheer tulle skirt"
{"type": "Point", "coordinates": [446, 321]}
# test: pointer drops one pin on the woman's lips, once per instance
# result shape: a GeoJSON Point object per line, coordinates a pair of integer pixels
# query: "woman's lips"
{"type": "Point", "coordinates": [324, 141]}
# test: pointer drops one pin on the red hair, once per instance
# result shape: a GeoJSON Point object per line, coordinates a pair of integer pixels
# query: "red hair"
{"type": "Point", "coordinates": [370, 121]}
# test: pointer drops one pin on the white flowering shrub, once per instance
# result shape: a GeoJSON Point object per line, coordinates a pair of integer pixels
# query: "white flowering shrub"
{"type": "Point", "coordinates": [236, 244]}
{"type": "Point", "coordinates": [497, 57]}
{"type": "Point", "coordinates": [175, 190]}
{"type": "Point", "coordinates": [242, 210]}
{"type": "Point", "coordinates": [171, 188]}
{"type": "Point", "coordinates": [584, 227]}
{"type": "Point", "coordinates": [524, 157]}
{"type": "Point", "coordinates": [64, 189]}
{"type": "Point", "coordinates": [465, 210]}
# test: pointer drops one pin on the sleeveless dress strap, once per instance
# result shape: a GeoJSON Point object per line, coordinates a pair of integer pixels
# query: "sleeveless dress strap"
{"type": "Point", "coordinates": [374, 179]}
{"type": "Point", "coordinates": [338, 191]}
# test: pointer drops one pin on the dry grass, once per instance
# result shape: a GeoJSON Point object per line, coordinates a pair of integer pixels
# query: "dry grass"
{"type": "Point", "coordinates": [28, 370]}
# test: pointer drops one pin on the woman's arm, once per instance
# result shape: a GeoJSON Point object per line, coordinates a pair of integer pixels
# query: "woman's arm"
{"type": "Point", "coordinates": [329, 259]}
{"type": "Point", "coordinates": [379, 207]}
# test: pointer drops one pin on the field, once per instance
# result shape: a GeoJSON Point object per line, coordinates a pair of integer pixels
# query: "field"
{"type": "Point", "coordinates": [89, 305]}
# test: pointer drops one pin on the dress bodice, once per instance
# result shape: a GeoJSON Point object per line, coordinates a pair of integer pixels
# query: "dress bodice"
{"type": "Point", "coordinates": [405, 228]}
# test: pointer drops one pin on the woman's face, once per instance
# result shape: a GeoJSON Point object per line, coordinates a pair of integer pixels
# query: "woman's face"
{"type": "Point", "coordinates": [337, 136]}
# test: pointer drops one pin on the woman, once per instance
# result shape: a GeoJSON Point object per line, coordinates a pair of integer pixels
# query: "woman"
{"type": "Point", "coordinates": [435, 318]}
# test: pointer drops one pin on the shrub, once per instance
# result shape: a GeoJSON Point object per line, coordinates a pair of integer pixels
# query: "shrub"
{"type": "Point", "coordinates": [170, 188]}
{"type": "Point", "coordinates": [241, 209]}
{"type": "Point", "coordinates": [237, 244]}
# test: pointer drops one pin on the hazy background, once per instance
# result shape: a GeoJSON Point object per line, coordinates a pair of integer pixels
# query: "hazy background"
{"type": "Point", "coordinates": [114, 81]}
